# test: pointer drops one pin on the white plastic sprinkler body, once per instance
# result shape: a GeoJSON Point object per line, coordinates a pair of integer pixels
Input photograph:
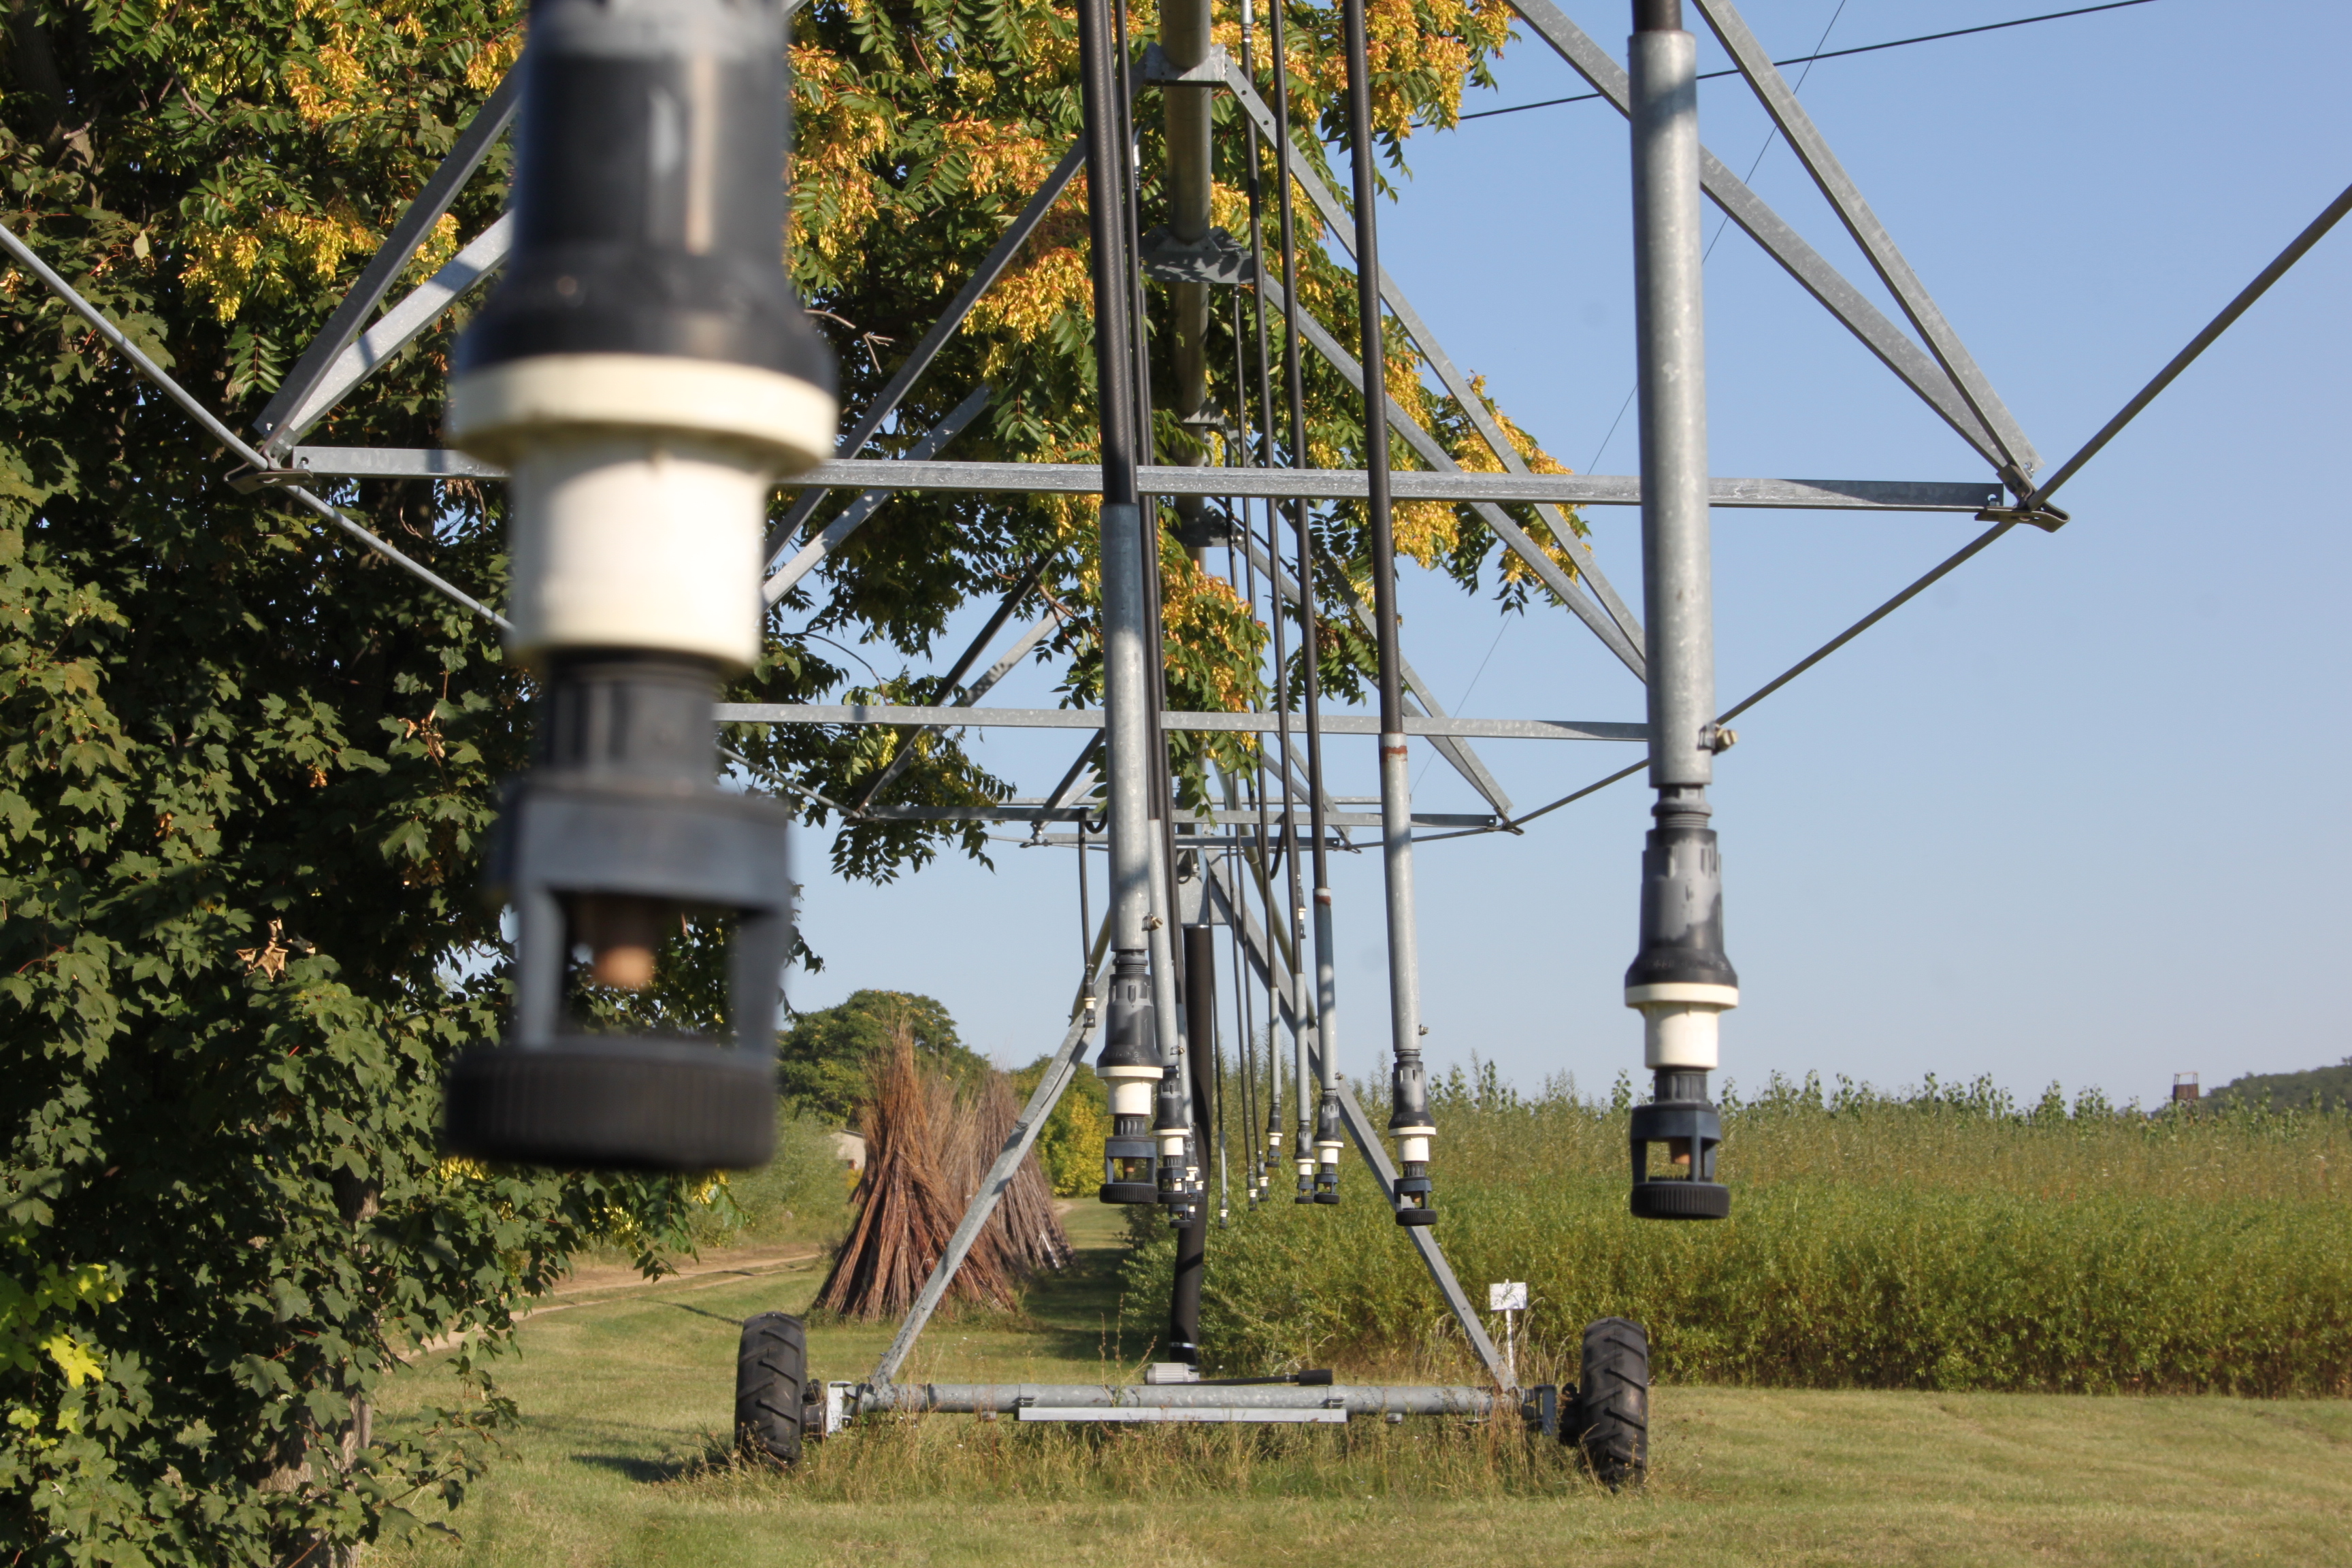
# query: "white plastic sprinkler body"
{"type": "Point", "coordinates": [640, 494]}
{"type": "Point", "coordinates": [645, 371]}
{"type": "Point", "coordinates": [1679, 1022]}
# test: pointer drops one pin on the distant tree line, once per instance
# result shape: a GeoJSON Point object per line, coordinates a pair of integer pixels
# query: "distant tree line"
{"type": "Point", "coordinates": [2327, 1088]}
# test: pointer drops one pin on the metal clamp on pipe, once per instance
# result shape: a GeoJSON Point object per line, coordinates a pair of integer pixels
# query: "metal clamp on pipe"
{"type": "Point", "coordinates": [1681, 980]}
{"type": "Point", "coordinates": [644, 371]}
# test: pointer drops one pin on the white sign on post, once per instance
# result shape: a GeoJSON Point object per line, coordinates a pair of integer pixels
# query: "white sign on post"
{"type": "Point", "coordinates": [1508, 1297]}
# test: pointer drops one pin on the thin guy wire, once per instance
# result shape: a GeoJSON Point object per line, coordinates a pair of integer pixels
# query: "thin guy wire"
{"type": "Point", "coordinates": [2180, 362]}
{"type": "Point", "coordinates": [227, 437]}
{"type": "Point", "coordinates": [1831, 55]}
{"type": "Point", "coordinates": [1788, 675]}
{"type": "Point", "coordinates": [1724, 221]}
{"type": "Point", "coordinates": [1463, 701]}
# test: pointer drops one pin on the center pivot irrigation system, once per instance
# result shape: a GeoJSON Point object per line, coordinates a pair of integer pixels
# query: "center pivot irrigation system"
{"type": "Point", "coordinates": [644, 374]}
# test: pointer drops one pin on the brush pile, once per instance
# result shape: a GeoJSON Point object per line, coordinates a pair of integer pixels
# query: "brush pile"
{"type": "Point", "coordinates": [1024, 1230]}
{"type": "Point", "coordinates": [928, 1144]}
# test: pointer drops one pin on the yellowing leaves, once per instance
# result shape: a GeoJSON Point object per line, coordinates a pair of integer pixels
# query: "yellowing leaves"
{"type": "Point", "coordinates": [838, 128]}
{"type": "Point", "coordinates": [1538, 460]}
{"type": "Point", "coordinates": [28, 1314]}
{"type": "Point", "coordinates": [324, 93]}
{"type": "Point", "coordinates": [993, 157]}
{"type": "Point", "coordinates": [228, 265]}
{"type": "Point", "coordinates": [1201, 611]}
{"type": "Point", "coordinates": [72, 1358]}
{"type": "Point", "coordinates": [1050, 278]}
{"type": "Point", "coordinates": [491, 64]}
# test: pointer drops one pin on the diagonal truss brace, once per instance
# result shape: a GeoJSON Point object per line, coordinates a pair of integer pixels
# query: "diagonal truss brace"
{"type": "Point", "coordinates": [1023, 647]}
{"type": "Point", "coordinates": [1339, 225]}
{"type": "Point", "coordinates": [1435, 454]}
{"type": "Point", "coordinates": [1460, 753]}
{"type": "Point", "coordinates": [2019, 457]}
{"type": "Point", "coordinates": [304, 398]}
{"type": "Point", "coordinates": [396, 330]}
{"type": "Point", "coordinates": [992, 266]}
{"type": "Point", "coordinates": [854, 514]}
{"type": "Point", "coordinates": [1911, 364]}
{"type": "Point", "coordinates": [1262, 958]}
{"type": "Point", "coordinates": [473, 144]}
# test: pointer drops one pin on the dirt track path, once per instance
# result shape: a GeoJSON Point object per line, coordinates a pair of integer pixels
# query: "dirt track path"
{"type": "Point", "coordinates": [603, 1282]}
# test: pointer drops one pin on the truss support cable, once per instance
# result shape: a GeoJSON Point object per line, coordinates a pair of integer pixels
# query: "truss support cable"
{"type": "Point", "coordinates": [2180, 362]}
{"type": "Point", "coordinates": [927, 349]}
{"type": "Point", "coordinates": [219, 432]}
{"type": "Point", "coordinates": [466, 154]}
{"type": "Point", "coordinates": [1928, 580]}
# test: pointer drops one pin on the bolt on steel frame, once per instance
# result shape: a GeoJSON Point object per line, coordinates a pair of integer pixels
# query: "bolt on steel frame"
{"type": "Point", "coordinates": [1681, 979]}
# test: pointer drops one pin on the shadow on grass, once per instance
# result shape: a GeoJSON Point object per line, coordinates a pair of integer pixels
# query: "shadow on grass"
{"type": "Point", "coordinates": [1071, 1316]}
{"type": "Point", "coordinates": [646, 1472]}
{"type": "Point", "coordinates": [700, 1312]}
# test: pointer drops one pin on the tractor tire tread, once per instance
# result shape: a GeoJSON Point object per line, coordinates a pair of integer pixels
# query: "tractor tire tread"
{"type": "Point", "coordinates": [771, 1384]}
{"type": "Point", "coordinates": [1612, 1406]}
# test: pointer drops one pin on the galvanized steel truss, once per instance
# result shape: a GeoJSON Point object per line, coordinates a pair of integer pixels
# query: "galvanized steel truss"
{"type": "Point", "coordinates": [1942, 374]}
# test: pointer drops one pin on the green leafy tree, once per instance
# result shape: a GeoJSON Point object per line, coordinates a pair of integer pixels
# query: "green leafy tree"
{"type": "Point", "coordinates": [246, 770]}
{"type": "Point", "coordinates": [826, 1055]}
{"type": "Point", "coordinates": [1070, 1145]}
{"type": "Point", "coordinates": [244, 776]}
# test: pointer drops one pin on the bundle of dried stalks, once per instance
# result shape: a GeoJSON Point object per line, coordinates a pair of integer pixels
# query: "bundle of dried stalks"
{"type": "Point", "coordinates": [907, 1210]}
{"type": "Point", "coordinates": [1024, 1231]}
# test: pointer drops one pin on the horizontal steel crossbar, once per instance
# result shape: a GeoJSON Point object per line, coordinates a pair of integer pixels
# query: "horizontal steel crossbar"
{"type": "Point", "coordinates": [1245, 817]}
{"type": "Point", "coordinates": [1006, 1398]}
{"type": "Point", "coordinates": [1329, 484]}
{"type": "Point", "coordinates": [1225, 723]}
{"type": "Point", "coordinates": [1221, 1413]}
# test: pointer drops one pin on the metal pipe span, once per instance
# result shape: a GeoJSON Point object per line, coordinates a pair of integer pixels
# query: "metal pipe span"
{"type": "Point", "coordinates": [1005, 1398]}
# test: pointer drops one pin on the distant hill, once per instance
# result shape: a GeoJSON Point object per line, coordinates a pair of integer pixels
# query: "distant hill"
{"type": "Point", "coordinates": [2283, 1090]}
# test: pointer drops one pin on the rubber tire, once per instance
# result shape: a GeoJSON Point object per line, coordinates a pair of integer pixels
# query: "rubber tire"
{"type": "Point", "coordinates": [1611, 1424]}
{"type": "Point", "coordinates": [770, 1378]}
{"type": "Point", "coordinates": [613, 1103]}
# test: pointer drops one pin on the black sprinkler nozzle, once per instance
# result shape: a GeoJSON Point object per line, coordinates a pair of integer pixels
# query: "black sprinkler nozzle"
{"type": "Point", "coordinates": [1684, 1121]}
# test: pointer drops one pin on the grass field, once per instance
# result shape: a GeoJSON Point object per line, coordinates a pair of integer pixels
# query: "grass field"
{"type": "Point", "coordinates": [626, 1394]}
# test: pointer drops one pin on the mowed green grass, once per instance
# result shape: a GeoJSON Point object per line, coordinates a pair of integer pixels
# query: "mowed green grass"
{"type": "Point", "coordinates": [621, 1459]}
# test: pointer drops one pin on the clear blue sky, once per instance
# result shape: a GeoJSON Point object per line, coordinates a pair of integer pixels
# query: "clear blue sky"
{"type": "Point", "coordinates": [2076, 814]}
